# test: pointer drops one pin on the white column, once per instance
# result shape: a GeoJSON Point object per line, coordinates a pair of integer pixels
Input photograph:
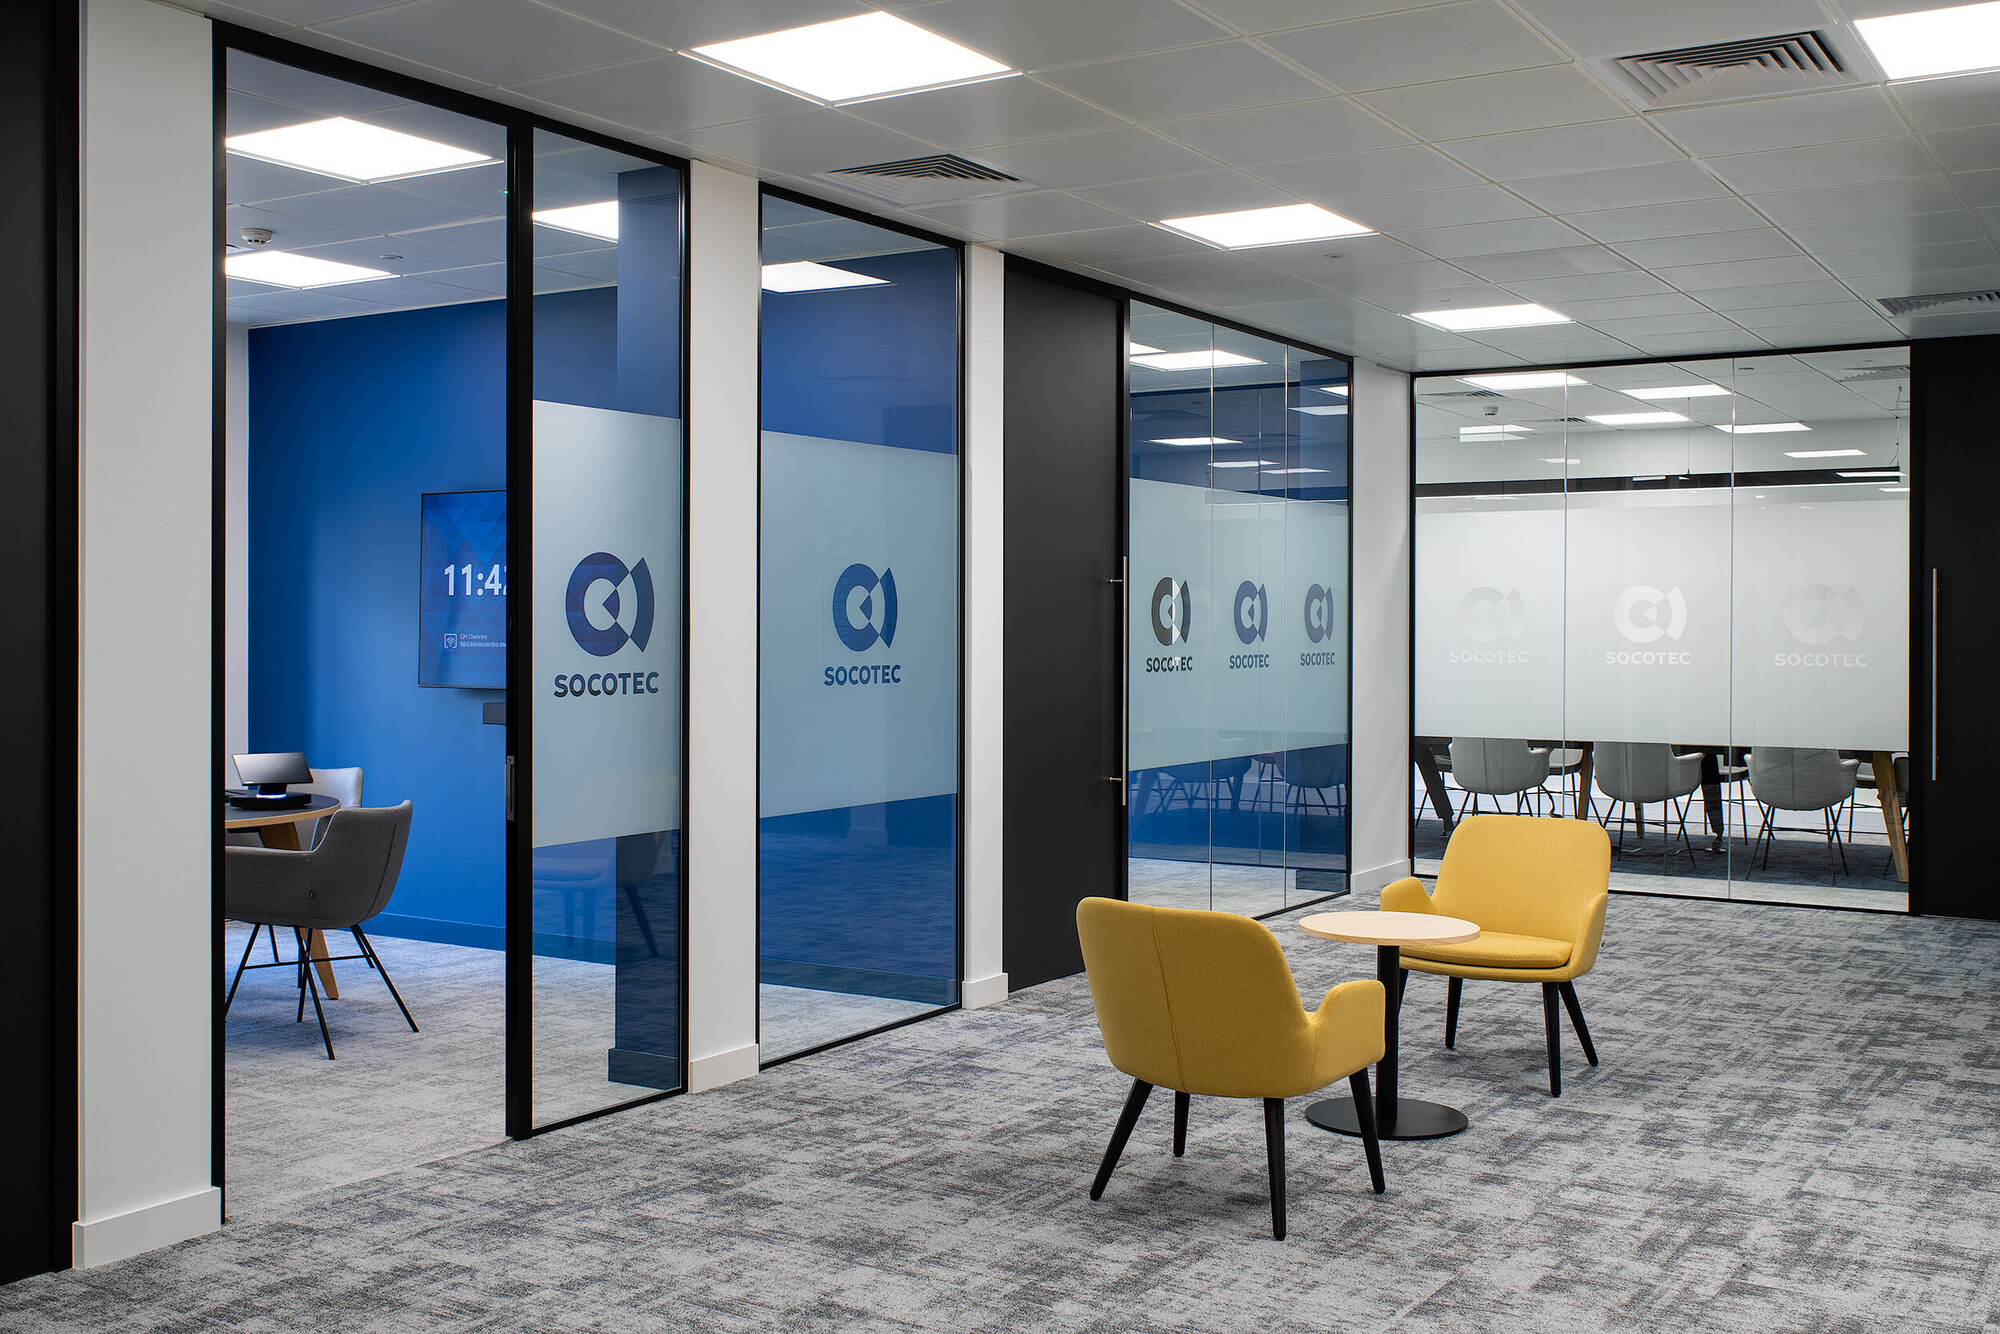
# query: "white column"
{"type": "Point", "coordinates": [724, 290]}
{"type": "Point", "coordinates": [146, 769]}
{"type": "Point", "coordinates": [1381, 778]}
{"type": "Point", "coordinates": [985, 287]}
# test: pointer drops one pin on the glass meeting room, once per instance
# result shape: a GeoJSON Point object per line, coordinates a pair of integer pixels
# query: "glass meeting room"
{"type": "Point", "coordinates": [1674, 598]}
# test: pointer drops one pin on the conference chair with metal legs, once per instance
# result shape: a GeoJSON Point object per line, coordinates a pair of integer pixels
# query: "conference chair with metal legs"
{"type": "Point", "coordinates": [1636, 774]}
{"type": "Point", "coordinates": [1786, 778]}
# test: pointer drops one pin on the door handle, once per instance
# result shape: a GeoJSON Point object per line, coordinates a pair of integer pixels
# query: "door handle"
{"type": "Point", "coordinates": [510, 789]}
{"type": "Point", "coordinates": [1124, 677]}
{"type": "Point", "coordinates": [1934, 660]}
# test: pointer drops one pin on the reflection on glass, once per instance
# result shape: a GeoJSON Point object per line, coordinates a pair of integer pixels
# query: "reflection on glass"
{"type": "Point", "coordinates": [859, 627]}
{"type": "Point", "coordinates": [607, 705]}
{"type": "Point", "coordinates": [1672, 597]}
{"type": "Point", "coordinates": [1238, 618]}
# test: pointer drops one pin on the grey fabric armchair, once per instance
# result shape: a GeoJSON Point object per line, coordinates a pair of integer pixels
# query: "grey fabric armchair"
{"type": "Point", "coordinates": [346, 879]}
{"type": "Point", "coordinates": [1783, 778]}
{"type": "Point", "coordinates": [1496, 767]}
{"type": "Point", "coordinates": [1636, 774]}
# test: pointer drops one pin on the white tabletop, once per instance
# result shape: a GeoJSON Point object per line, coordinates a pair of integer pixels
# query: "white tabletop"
{"type": "Point", "coordinates": [1390, 928]}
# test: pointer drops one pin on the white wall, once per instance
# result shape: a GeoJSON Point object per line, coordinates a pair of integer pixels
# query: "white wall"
{"type": "Point", "coordinates": [985, 587]}
{"type": "Point", "coordinates": [145, 801]}
{"type": "Point", "coordinates": [724, 293]}
{"type": "Point", "coordinates": [1381, 776]}
{"type": "Point", "coordinates": [236, 550]}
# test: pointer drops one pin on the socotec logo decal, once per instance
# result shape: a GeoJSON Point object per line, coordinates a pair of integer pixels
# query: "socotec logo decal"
{"type": "Point", "coordinates": [1252, 616]}
{"type": "Point", "coordinates": [1172, 608]}
{"type": "Point", "coordinates": [1319, 627]}
{"type": "Point", "coordinates": [1819, 614]}
{"type": "Point", "coordinates": [1486, 615]}
{"type": "Point", "coordinates": [597, 590]}
{"type": "Point", "coordinates": [1645, 615]}
{"type": "Point", "coordinates": [864, 614]}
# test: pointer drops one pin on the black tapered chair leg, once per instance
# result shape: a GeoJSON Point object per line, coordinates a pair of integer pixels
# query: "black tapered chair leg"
{"type": "Point", "coordinates": [239, 967]}
{"type": "Point", "coordinates": [1555, 1039]}
{"type": "Point", "coordinates": [300, 1017]}
{"type": "Point", "coordinates": [1453, 987]}
{"type": "Point", "coordinates": [1364, 1114]}
{"type": "Point", "coordinates": [375, 962]}
{"type": "Point", "coordinates": [1181, 1101]}
{"type": "Point", "coordinates": [312, 985]}
{"type": "Point", "coordinates": [1575, 1008]}
{"type": "Point", "coordinates": [367, 958]}
{"type": "Point", "coordinates": [274, 941]}
{"type": "Point", "coordinates": [1127, 1118]}
{"type": "Point", "coordinates": [1274, 1153]}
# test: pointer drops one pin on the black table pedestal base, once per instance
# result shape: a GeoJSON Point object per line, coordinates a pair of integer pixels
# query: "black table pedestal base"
{"type": "Point", "coordinates": [1415, 1119]}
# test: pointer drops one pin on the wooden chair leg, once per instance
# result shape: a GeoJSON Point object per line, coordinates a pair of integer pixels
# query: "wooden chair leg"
{"type": "Point", "coordinates": [1274, 1153]}
{"type": "Point", "coordinates": [1134, 1100]}
{"type": "Point", "coordinates": [1575, 1008]}
{"type": "Point", "coordinates": [1364, 1113]}
{"type": "Point", "coordinates": [1453, 987]}
{"type": "Point", "coordinates": [1180, 1123]}
{"type": "Point", "coordinates": [1555, 1039]}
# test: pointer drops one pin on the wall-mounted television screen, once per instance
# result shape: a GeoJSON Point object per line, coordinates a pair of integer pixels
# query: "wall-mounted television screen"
{"type": "Point", "coordinates": [462, 631]}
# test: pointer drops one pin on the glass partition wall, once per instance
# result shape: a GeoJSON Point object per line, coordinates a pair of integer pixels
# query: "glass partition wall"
{"type": "Point", "coordinates": [1237, 618]}
{"type": "Point", "coordinates": [858, 655]}
{"type": "Point", "coordinates": [1673, 598]}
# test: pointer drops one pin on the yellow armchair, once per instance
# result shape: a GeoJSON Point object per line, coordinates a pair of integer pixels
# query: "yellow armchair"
{"type": "Point", "coordinates": [1204, 1002]}
{"type": "Point", "coordinates": [1537, 889]}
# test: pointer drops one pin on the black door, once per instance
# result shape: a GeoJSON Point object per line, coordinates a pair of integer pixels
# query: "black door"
{"type": "Point", "coordinates": [1065, 820]}
{"type": "Point", "coordinates": [1955, 712]}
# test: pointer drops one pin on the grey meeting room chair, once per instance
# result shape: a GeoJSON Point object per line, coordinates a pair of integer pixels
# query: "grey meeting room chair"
{"type": "Point", "coordinates": [1785, 778]}
{"type": "Point", "coordinates": [1497, 767]}
{"type": "Point", "coordinates": [343, 785]}
{"type": "Point", "coordinates": [1638, 774]}
{"type": "Point", "coordinates": [343, 881]}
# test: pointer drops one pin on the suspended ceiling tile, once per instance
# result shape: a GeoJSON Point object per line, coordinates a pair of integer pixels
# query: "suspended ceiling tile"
{"type": "Point", "coordinates": [1443, 361]}
{"type": "Point", "coordinates": [1916, 229]}
{"type": "Point", "coordinates": [1497, 103]}
{"type": "Point", "coordinates": [1617, 225]}
{"type": "Point", "coordinates": [1191, 82]}
{"type": "Point", "coordinates": [1729, 299]}
{"type": "Point", "coordinates": [1401, 214]}
{"type": "Point", "coordinates": [1031, 34]}
{"type": "Point", "coordinates": [1327, 314]}
{"type": "Point", "coordinates": [1284, 133]}
{"type": "Point", "coordinates": [493, 41]}
{"type": "Point", "coordinates": [412, 293]}
{"type": "Point", "coordinates": [1038, 214]}
{"type": "Point", "coordinates": [686, 23]}
{"type": "Point", "coordinates": [315, 303]}
{"type": "Point", "coordinates": [1187, 196]}
{"type": "Point", "coordinates": [1951, 326]}
{"type": "Point", "coordinates": [1981, 189]}
{"type": "Point", "coordinates": [1620, 187]}
{"type": "Point", "coordinates": [319, 94]}
{"type": "Point", "coordinates": [1558, 263]}
{"type": "Point", "coordinates": [1847, 313]}
{"type": "Point", "coordinates": [1882, 199]}
{"type": "Point", "coordinates": [1256, 16]}
{"type": "Point", "coordinates": [1783, 122]}
{"type": "Point", "coordinates": [1318, 260]}
{"type": "Point", "coordinates": [486, 238]}
{"type": "Point", "coordinates": [1905, 262]}
{"type": "Point", "coordinates": [1651, 326]}
{"type": "Point", "coordinates": [1931, 280]}
{"type": "Point", "coordinates": [1595, 146]}
{"type": "Point", "coordinates": [1570, 349]}
{"type": "Point", "coordinates": [1103, 158]}
{"type": "Point", "coordinates": [995, 112]}
{"type": "Point", "coordinates": [811, 141]}
{"type": "Point", "coordinates": [476, 190]}
{"type": "Point", "coordinates": [1858, 163]}
{"type": "Point", "coordinates": [1417, 46]}
{"type": "Point", "coordinates": [1657, 305]}
{"type": "Point", "coordinates": [1385, 171]}
{"type": "Point", "coordinates": [1110, 244]}
{"type": "Point", "coordinates": [1709, 248]}
{"type": "Point", "coordinates": [249, 181]}
{"type": "Point", "coordinates": [1601, 28]}
{"type": "Point", "coordinates": [1494, 238]}
{"type": "Point", "coordinates": [665, 95]}
{"type": "Point", "coordinates": [1587, 287]}
{"type": "Point", "coordinates": [412, 255]}
{"type": "Point", "coordinates": [1407, 288]}
{"type": "Point", "coordinates": [1950, 104]}
{"type": "Point", "coordinates": [1684, 345]}
{"type": "Point", "coordinates": [244, 113]}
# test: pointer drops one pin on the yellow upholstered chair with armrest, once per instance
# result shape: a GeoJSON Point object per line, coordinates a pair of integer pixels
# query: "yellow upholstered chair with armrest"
{"type": "Point", "coordinates": [1537, 890]}
{"type": "Point", "coordinates": [1204, 1002]}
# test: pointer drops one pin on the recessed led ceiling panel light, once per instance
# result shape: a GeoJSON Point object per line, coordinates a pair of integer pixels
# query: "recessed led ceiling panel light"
{"type": "Point", "coordinates": [1679, 391]}
{"type": "Point", "coordinates": [1291, 471]}
{"type": "Point", "coordinates": [1193, 361]}
{"type": "Point", "coordinates": [1563, 461]}
{"type": "Point", "coordinates": [1465, 431]}
{"type": "Point", "coordinates": [1247, 228]}
{"type": "Point", "coordinates": [805, 275]}
{"type": "Point", "coordinates": [1241, 463]}
{"type": "Point", "coordinates": [1323, 410]}
{"type": "Point", "coordinates": [1523, 380]}
{"type": "Point", "coordinates": [1765, 428]}
{"type": "Point", "coordinates": [1472, 318]}
{"type": "Point", "coordinates": [853, 59]}
{"type": "Point", "coordinates": [598, 220]}
{"type": "Point", "coordinates": [282, 268]}
{"type": "Point", "coordinates": [1893, 490]}
{"type": "Point", "coordinates": [1934, 41]}
{"type": "Point", "coordinates": [1635, 418]}
{"type": "Point", "coordinates": [1825, 453]}
{"type": "Point", "coordinates": [1190, 440]}
{"type": "Point", "coordinates": [1340, 389]}
{"type": "Point", "coordinates": [1140, 349]}
{"type": "Point", "coordinates": [353, 150]}
{"type": "Point", "coordinates": [1874, 473]}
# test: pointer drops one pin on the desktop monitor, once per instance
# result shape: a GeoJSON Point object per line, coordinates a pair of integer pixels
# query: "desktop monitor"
{"type": "Point", "coordinates": [270, 772]}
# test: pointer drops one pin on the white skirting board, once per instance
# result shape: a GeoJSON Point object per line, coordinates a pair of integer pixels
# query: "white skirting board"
{"type": "Point", "coordinates": [979, 992]}
{"type": "Point", "coordinates": [1375, 878]}
{"type": "Point", "coordinates": [725, 1067]}
{"type": "Point", "coordinates": [122, 1236]}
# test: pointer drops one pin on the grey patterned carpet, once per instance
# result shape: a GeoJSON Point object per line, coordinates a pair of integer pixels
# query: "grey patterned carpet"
{"type": "Point", "coordinates": [1795, 1128]}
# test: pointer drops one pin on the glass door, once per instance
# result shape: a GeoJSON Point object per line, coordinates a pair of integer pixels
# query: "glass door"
{"type": "Point", "coordinates": [595, 869]}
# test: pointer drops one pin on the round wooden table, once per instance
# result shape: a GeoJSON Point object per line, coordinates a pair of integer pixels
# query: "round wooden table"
{"type": "Point", "coordinates": [1388, 932]}
{"type": "Point", "coordinates": [280, 829]}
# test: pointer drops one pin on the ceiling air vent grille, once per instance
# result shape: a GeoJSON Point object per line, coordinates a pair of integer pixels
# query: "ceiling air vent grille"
{"type": "Point", "coordinates": [1463, 393]}
{"type": "Point", "coordinates": [1940, 303]}
{"type": "Point", "coordinates": [1793, 62]}
{"type": "Point", "coordinates": [941, 178]}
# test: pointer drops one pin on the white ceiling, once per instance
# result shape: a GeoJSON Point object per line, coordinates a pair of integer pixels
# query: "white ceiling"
{"type": "Point", "coordinates": [1498, 163]}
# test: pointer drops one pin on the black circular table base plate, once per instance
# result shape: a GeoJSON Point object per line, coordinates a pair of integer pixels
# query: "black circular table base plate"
{"type": "Point", "coordinates": [1414, 1119]}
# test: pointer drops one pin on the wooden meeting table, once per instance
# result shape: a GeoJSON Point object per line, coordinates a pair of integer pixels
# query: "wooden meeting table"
{"type": "Point", "coordinates": [1388, 932]}
{"type": "Point", "coordinates": [280, 829]}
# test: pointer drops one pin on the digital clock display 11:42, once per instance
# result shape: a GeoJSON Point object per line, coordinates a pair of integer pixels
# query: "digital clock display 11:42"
{"type": "Point", "coordinates": [464, 579]}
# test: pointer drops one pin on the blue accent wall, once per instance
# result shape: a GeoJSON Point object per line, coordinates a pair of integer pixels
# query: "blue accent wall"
{"type": "Point", "coordinates": [351, 421]}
